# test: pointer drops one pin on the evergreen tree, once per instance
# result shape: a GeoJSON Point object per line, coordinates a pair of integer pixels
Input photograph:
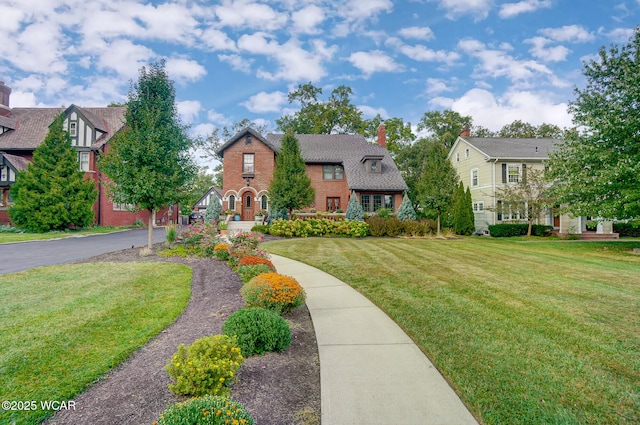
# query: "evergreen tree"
{"type": "Point", "coordinates": [354, 209]}
{"type": "Point", "coordinates": [290, 187]}
{"type": "Point", "coordinates": [463, 223]}
{"type": "Point", "coordinates": [148, 163]}
{"type": "Point", "coordinates": [213, 209]}
{"type": "Point", "coordinates": [52, 193]}
{"type": "Point", "coordinates": [406, 211]}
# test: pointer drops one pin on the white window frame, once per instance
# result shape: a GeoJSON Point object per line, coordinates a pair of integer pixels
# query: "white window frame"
{"type": "Point", "coordinates": [466, 153]}
{"type": "Point", "coordinates": [478, 206]}
{"type": "Point", "coordinates": [457, 156]}
{"type": "Point", "coordinates": [477, 177]}
{"type": "Point", "coordinates": [514, 173]}
{"type": "Point", "coordinates": [73, 129]}
{"type": "Point", "coordinates": [83, 161]}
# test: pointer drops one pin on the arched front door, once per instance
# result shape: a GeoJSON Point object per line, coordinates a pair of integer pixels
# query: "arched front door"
{"type": "Point", "coordinates": [247, 207]}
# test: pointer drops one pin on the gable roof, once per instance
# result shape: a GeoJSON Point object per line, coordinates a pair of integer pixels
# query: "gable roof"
{"type": "Point", "coordinates": [212, 190]}
{"type": "Point", "coordinates": [17, 162]}
{"type": "Point", "coordinates": [510, 148]}
{"type": "Point", "coordinates": [32, 125]}
{"type": "Point", "coordinates": [348, 150]}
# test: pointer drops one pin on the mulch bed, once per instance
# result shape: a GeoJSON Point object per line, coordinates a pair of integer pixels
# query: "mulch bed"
{"type": "Point", "coordinates": [276, 388]}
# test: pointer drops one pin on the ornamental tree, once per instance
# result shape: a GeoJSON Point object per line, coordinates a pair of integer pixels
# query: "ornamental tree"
{"type": "Point", "coordinates": [213, 210]}
{"type": "Point", "coordinates": [52, 194]}
{"type": "Point", "coordinates": [354, 209]}
{"type": "Point", "coordinates": [148, 162]}
{"type": "Point", "coordinates": [596, 171]}
{"type": "Point", "coordinates": [406, 211]}
{"type": "Point", "coordinates": [463, 223]}
{"type": "Point", "coordinates": [290, 187]}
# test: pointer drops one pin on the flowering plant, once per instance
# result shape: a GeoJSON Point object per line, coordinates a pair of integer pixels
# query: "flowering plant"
{"type": "Point", "coordinates": [245, 243]}
{"type": "Point", "coordinates": [273, 291]}
{"type": "Point", "coordinates": [208, 410]}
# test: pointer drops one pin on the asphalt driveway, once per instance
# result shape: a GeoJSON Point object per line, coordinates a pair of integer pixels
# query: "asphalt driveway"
{"type": "Point", "coordinates": [25, 255]}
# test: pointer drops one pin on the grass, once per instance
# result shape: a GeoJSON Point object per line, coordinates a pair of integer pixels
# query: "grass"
{"type": "Point", "coordinates": [62, 327]}
{"type": "Point", "coordinates": [13, 236]}
{"type": "Point", "coordinates": [527, 332]}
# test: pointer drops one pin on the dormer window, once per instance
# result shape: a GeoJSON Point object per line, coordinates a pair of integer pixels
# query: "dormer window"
{"type": "Point", "coordinates": [73, 129]}
{"type": "Point", "coordinates": [372, 163]}
{"type": "Point", "coordinates": [374, 166]}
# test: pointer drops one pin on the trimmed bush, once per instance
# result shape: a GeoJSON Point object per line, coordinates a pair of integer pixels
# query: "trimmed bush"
{"type": "Point", "coordinates": [273, 291]}
{"type": "Point", "coordinates": [261, 228]}
{"type": "Point", "coordinates": [205, 367]}
{"type": "Point", "coordinates": [258, 330]}
{"type": "Point", "coordinates": [518, 229]}
{"type": "Point", "coordinates": [393, 226]}
{"type": "Point", "coordinates": [629, 229]}
{"type": "Point", "coordinates": [247, 273]}
{"type": "Point", "coordinates": [319, 227]}
{"type": "Point", "coordinates": [208, 410]}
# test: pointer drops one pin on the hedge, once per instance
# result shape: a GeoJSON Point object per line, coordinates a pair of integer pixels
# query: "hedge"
{"type": "Point", "coordinates": [518, 229]}
{"type": "Point", "coordinates": [630, 229]}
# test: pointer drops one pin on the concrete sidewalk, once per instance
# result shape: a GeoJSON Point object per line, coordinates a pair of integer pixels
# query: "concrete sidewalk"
{"type": "Point", "coordinates": [371, 372]}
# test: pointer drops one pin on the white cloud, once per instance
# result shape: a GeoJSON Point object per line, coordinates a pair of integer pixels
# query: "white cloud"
{"type": "Point", "coordinates": [215, 39]}
{"type": "Point", "coordinates": [374, 61]}
{"type": "Point", "coordinates": [422, 53]}
{"type": "Point", "coordinates": [125, 57]}
{"type": "Point", "coordinates": [307, 19]}
{"type": "Point", "coordinates": [266, 102]}
{"type": "Point", "coordinates": [542, 51]}
{"type": "Point", "coordinates": [356, 10]}
{"type": "Point", "coordinates": [189, 110]}
{"type": "Point", "coordinates": [569, 33]}
{"type": "Point", "coordinates": [437, 85]}
{"type": "Point", "coordinates": [455, 8]}
{"type": "Point", "coordinates": [249, 14]}
{"type": "Point", "coordinates": [493, 113]}
{"type": "Point", "coordinates": [37, 48]}
{"type": "Point", "coordinates": [237, 62]}
{"type": "Point", "coordinates": [371, 112]}
{"type": "Point", "coordinates": [620, 35]}
{"type": "Point", "coordinates": [184, 70]}
{"type": "Point", "coordinates": [218, 118]}
{"type": "Point", "coordinates": [509, 10]}
{"type": "Point", "coordinates": [422, 33]}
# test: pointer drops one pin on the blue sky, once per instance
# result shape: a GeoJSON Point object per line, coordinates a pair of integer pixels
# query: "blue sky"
{"type": "Point", "coordinates": [497, 61]}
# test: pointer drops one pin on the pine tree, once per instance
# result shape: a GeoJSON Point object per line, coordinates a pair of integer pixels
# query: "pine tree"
{"type": "Point", "coordinates": [52, 193]}
{"type": "Point", "coordinates": [406, 211]}
{"type": "Point", "coordinates": [213, 209]}
{"type": "Point", "coordinates": [290, 187]}
{"type": "Point", "coordinates": [354, 209]}
{"type": "Point", "coordinates": [463, 223]}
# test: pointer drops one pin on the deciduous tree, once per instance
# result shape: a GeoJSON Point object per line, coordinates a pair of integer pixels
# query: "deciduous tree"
{"type": "Point", "coordinates": [597, 170]}
{"type": "Point", "coordinates": [148, 163]}
{"type": "Point", "coordinates": [52, 194]}
{"type": "Point", "coordinates": [445, 125]}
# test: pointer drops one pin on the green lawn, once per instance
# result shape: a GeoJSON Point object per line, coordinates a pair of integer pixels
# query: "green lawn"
{"type": "Point", "coordinates": [527, 332]}
{"type": "Point", "coordinates": [6, 237]}
{"type": "Point", "coordinates": [62, 327]}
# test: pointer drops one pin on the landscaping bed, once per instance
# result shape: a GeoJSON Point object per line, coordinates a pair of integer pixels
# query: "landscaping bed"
{"type": "Point", "coordinates": [276, 388]}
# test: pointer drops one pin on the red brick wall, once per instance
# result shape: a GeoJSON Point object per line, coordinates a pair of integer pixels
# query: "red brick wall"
{"type": "Point", "coordinates": [327, 188]}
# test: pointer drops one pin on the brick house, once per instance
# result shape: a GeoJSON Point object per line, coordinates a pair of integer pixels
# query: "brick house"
{"type": "Point", "coordinates": [337, 164]}
{"type": "Point", "coordinates": [22, 130]}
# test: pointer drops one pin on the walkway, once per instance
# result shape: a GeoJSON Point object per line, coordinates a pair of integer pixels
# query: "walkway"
{"type": "Point", "coordinates": [371, 372]}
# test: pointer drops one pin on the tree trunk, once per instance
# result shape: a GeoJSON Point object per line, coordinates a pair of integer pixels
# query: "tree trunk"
{"type": "Point", "coordinates": [438, 234]}
{"type": "Point", "coordinates": [151, 218]}
{"type": "Point", "coordinates": [530, 227]}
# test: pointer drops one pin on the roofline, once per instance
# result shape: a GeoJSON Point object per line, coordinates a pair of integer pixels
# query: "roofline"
{"type": "Point", "coordinates": [238, 135]}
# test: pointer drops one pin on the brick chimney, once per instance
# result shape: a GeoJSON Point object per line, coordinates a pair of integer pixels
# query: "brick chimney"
{"type": "Point", "coordinates": [5, 92]}
{"type": "Point", "coordinates": [382, 135]}
{"type": "Point", "coordinates": [466, 132]}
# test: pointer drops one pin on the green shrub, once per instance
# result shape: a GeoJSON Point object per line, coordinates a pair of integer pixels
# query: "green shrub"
{"type": "Point", "coordinates": [205, 367]}
{"type": "Point", "coordinates": [384, 212]}
{"type": "Point", "coordinates": [178, 251]}
{"type": "Point", "coordinates": [273, 291]}
{"type": "Point", "coordinates": [172, 233]}
{"type": "Point", "coordinates": [394, 227]}
{"type": "Point", "coordinates": [518, 229]}
{"type": "Point", "coordinates": [377, 226]}
{"type": "Point", "coordinates": [261, 228]}
{"type": "Point", "coordinates": [221, 251]}
{"type": "Point", "coordinates": [208, 410]}
{"type": "Point", "coordinates": [258, 330]}
{"type": "Point", "coordinates": [318, 227]}
{"type": "Point", "coordinates": [248, 272]}
{"type": "Point", "coordinates": [630, 229]}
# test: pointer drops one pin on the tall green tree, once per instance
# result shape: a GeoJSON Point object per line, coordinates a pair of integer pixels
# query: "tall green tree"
{"type": "Point", "coordinates": [445, 125]}
{"type": "Point", "coordinates": [523, 130]}
{"type": "Point", "coordinates": [411, 161]}
{"type": "Point", "coordinates": [596, 171]}
{"type": "Point", "coordinates": [399, 133]}
{"type": "Point", "coordinates": [438, 183]}
{"type": "Point", "coordinates": [52, 194]}
{"type": "Point", "coordinates": [290, 187]}
{"type": "Point", "coordinates": [148, 163]}
{"type": "Point", "coordinates": [336, 115]}
{"type": "Point", "coordinates": [463, 223]}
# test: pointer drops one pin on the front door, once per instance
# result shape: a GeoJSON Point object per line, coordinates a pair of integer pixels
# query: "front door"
{"type": "Point", "coordinates": [247, 207]}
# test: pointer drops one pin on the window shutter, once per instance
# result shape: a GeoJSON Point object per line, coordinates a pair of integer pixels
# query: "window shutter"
{"type": "Point", "coordinates": [499, 210]}
{"type": "Point", "coordinates": [524, 173]}
{"type": "Point", "coordinates": [504, 173]}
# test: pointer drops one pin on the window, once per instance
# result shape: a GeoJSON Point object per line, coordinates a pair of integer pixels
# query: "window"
{"type": "Point", "coordinates": [466, 153]}
{"type": "Point", "coordinates": [2, 201]}
{"type": "Point", "coordinates": [83, 158]}
{"type": "Point", "coordinates": [232, 203]}
{"type": "Point", "coordinates": [73, 129]}
{"type": "Point", "coordinates": [457, 156]}
{"type": "Point", "coordinates": [333, 203]}
{"type": "Point", "coordinates": [365, 202]}
{"type": "Point", "coordinates": [513, 173]}
{"type": "Point", "coordinates": [478, 206]}
{"type": "Point", "coordinates": [264, 202]}
{"type": "Point", "coordinates": [248, 163]}
{"type": "Point", "coordinates": [4, 173]}
{"type": "Point", "coordinates": [374, 166]}
{"type": "Point", "coordinates": [388, 202]}
{"type": "Point", "coordinates": [123, 207]}
{"type": "Point", "coordinates": [332, 172]}
{"type": "Point", "coordinates": [474, 177]}
{"type": "Point", "coordinates": [377, 202]}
